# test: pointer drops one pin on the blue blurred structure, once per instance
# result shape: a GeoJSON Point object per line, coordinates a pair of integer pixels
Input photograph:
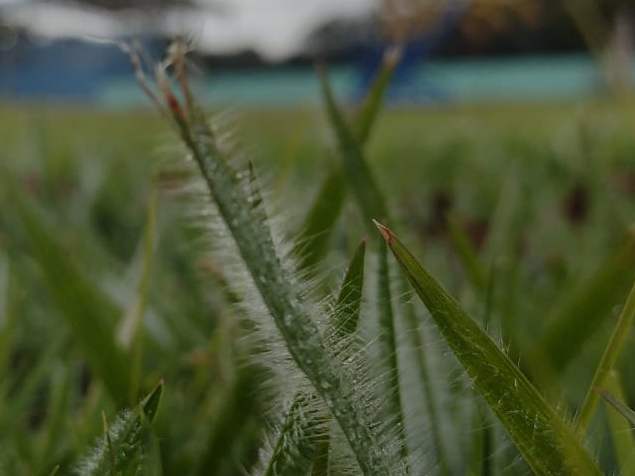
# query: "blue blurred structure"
{"type": "Point", "coordinates": [408, 85]}
{"type": "Point", "coordinates": [63, 69]}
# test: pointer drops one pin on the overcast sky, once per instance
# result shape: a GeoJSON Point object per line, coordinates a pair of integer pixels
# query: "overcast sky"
{"type": "Point", "coordinates": [275, 29]}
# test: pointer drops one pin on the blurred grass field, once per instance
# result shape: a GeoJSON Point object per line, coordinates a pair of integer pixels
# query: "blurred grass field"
{"type": "Point", "coordinates": [545, 192]}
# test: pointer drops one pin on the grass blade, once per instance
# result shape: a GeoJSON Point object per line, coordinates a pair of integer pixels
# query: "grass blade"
{"type": "Point", "coordinates": [621, 428]}
{"type": "Point", "coordinates": [318, 225]}
{"type": "Point", "coordinates": [358, 174]}
{"type": "Point", "coordinates": [131, 323]}
{"type": "Point", "coordinates": [578, 318]}
{"type": "Point", "coordinates": [388, 340]}
{"type": "Point", "coordinates": [428, 385]}
{"type": "Point", "coordinates": [620, 407]}
{"type": "Point", "coordinates": [130, 335]}
{"type": "Point", "coordinates": [611, 353]}
{"type": "Point", "coordinates": [480, 450]}
{"type": "Point", "coordinates": [230, 424]}
{"type": "Point", "coordinates": [365, 118]}
{"type": "Point", "coordinates": [469, 258]}
{"type": "Point", "coordinates": [546, 442]}
{"type": "Point", "coordinates": [371, 202]}
{"type": "Point", "coordinates": [56, 422]}
{"type": "Point", "coordinates": [121, 446]}
{"type": "Point", "coordinates": [346, 313]}
{"type": "Point", "coordinates": [8, 313]}
{"type": "Point", "coordinates": [86, 310]}
{"type": "Point", "coordinates": [295, 448]}
{"type": "Point", "coordinates": [321, 458]}
{"type": "Point", "coordinates": [326, 208]}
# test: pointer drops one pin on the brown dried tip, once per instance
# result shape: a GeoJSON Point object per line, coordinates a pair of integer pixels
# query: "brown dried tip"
{"type": "Point", "coordinates": [174, 106]}
{"type": "Point", "coordinates": [385, 232]}
{"type": "Point", "coordinates": [170, 99]}
{"type": "Point", "coordinates": [176, 56]}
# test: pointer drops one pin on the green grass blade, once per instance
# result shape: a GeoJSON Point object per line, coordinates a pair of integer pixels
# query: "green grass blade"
{"type": "Point", "coordinates": [229, 424]}
{"type": "Point", "coordinates": [130, 333]}
{"type": "Point", "coordinates": [388, 341]}
{"type": "Point", "coordinates": [9, 316]}
{"type": "Point", "coordinates": [621, 428]}
{"type": "Point", "coordinates": [546, 442]}
{"type": "Point", "coordinates": [295, 447]}
{"type": "Point", "coordinates": [131, 324]}
{"type": "Point", "coordinates": [611, 353]}
{"type": "Point", "coordinates": [327, 206]}
{"type": "Point", "coordinates": [88, 313]}
{"type": "Point", "coordinates": [480, 449]}
{"type": "Point", "coordinates": [469, 258]}
{"type": "Point", "coordinates": [371, 202]}
{"type": "Point", "coordinates": [150, 404]}
{"type": "Point", "coordinates": [346, 313]}
{"type": "Point", "coordinates": [121, 447]}
{"type": "Point", "coordinates": [577, 320]}
{"type": "Point", "coordinates": [57, 416]}
{"type": "Point", "coordinates": [25, 388]}
{"type": "Point", "coordinates": [428, 385]}
{"type": "Point", "coordinates": [151, 463]}
{"type": "Point", "coordinates": [313, 242]}
{"type": "Point", "coordinates": [620, 407]}
{"type": "Point", "coordinates": [358, 174]}
{"type": "Point", "coordinates": [367, 114]}
{"type": "Point", "coordinates": [321, 457]}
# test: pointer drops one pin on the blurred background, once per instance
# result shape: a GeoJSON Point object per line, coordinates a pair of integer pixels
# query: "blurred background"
{"type": "Point", "coordinates": [261, 52]}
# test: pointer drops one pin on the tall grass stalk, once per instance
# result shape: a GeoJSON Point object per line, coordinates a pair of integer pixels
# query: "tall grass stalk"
{"type": "Point", "coordinates": [273, 278]}
{"type": "Point", "coordinates": [607, 362]}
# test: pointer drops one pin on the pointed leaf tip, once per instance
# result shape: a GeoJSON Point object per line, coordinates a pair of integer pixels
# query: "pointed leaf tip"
{"type": "Point", "coordinates": [150, 404]}
{"type": "Point", "coordinates": [385, 232]}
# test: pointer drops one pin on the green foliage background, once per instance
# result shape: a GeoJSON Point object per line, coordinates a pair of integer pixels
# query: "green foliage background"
{"type": "Point", "coordinates": [541, 198]}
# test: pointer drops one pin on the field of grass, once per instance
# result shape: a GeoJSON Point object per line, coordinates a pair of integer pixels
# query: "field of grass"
{"type": "Point", "coordinates": [109, 284]}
